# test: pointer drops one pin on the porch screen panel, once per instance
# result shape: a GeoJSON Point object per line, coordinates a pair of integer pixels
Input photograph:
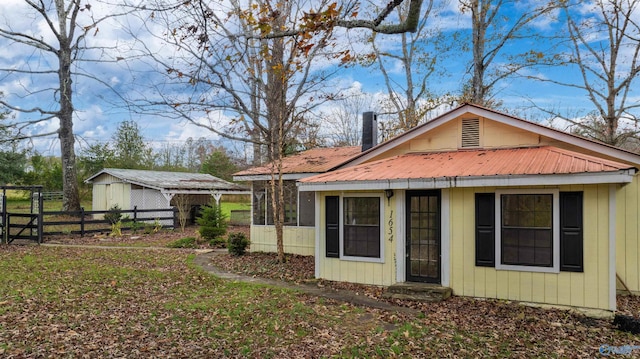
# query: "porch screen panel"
{"type": "Point", "coordinates": [259, 202]}
{"type": "Point", "coordinates": [307, 209]}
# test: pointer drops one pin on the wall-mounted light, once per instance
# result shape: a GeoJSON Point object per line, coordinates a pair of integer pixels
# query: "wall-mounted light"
{"type": "Point", "coordinates": [388, 193]}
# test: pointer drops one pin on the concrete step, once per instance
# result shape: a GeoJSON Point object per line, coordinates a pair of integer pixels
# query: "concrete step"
{"type": "Point", "coordinates": [423, 292]}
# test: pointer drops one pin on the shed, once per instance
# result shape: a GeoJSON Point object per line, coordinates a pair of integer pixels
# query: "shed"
{"type": "Point", "coordinates": [145, 189]}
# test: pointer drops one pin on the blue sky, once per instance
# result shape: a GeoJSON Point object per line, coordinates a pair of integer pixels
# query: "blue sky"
{"type": "Point", "coordinates": [99, 110]}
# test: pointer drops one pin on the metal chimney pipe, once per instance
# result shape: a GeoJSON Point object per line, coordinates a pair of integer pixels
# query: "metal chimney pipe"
{"type": "Point", "coordinates": [369, 130]}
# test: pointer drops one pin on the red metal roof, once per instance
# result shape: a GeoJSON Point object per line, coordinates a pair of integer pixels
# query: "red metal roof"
{"type": "Point", "coordinates": [317, 160]}
{"type": "Point", "coordinates": [470, 163]}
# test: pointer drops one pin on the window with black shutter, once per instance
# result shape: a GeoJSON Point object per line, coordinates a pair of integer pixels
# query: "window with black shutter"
{"type": "Point", "coordinates": [571, 238]}
{"type": "Point", "coordinates": [332, 215]}
{"type": "Point", "coordinates": [485, 229]}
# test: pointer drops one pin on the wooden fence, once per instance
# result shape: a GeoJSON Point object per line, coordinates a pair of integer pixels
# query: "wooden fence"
{"type": "Point", "coordinates": [83, 222]}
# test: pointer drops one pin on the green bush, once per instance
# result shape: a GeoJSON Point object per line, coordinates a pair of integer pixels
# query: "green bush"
{"type": "Point", "coordinates": [114, 215]}
{"type": "Point", "coordinates": [237, 243]}
{"type": "Point", "coordinates": [186, 242]}
{"type": "Point", "coordinates": [212, 222]}
{"type": "Point", "coordinates": [218, 242]}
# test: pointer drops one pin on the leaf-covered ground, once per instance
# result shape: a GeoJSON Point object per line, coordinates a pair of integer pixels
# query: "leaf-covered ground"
{"type": "Point", "coordinates": [467, 327]}
{"type": "Point", "coordinates": [142, 303]}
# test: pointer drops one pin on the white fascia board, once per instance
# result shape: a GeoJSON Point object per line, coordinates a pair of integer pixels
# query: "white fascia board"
{"type": "Point", "coordinates": [622, 176]}
{"type": "Point", "coordinates": [285, 176]}
{"type": "Point", "coordinates": [207, 192]}
{"type": "Point", "coordinates": [222, 191]}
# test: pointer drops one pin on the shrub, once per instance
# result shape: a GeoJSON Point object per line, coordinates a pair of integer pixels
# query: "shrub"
{"type": "Point", "coordinates": [212, 221]}
{"type": "Point", "coordinates": [210, 233]}
{"type": "Point", "coordinates": [237, 243]}
{"type": "Point", "coordinates": [135, 226]}
{"type": "Point", "coordinates": [114, 215]}
{"type": "Point", "coordinates": [218, 242]}
{"type": "Point", "coordinates": [186, 242]}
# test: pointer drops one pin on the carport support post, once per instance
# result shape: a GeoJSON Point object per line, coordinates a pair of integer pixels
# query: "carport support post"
{"type": "Point", "coordinates": [217, 196]}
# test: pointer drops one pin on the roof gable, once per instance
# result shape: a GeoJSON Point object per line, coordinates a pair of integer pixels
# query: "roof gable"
{"type": "Point", "coordinates": [443, 134]}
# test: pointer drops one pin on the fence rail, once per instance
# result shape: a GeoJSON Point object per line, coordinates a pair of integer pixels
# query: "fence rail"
{"type": "Point", "coordinates": [51, 196]}
{"type": "Point", "coordinates": [83, 222]}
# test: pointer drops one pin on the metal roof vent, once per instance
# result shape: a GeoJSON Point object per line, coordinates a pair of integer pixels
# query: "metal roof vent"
{"type": "Point", "coordinates": [471, 132]}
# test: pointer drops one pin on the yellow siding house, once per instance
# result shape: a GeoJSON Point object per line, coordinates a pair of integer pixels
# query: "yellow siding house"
{"type": "Point", "coordinates": [488, 205]}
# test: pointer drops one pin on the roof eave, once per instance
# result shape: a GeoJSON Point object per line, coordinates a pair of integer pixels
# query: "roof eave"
{"type": "Point", "coordinates": [267, 177]}
{"type": "Point", "coordinates": [203, 191]}
{"type": "Point", "coordinates": [620, 177]}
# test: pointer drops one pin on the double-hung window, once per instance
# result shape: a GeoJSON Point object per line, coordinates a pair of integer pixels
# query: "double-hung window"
{"type": "Point", "coordinates": [526, 229]}
{"type": "Point", "coordinates": [354, 227]}
{"type": "Point", "coordinates": [530, 230]}
{"type": "Point", "coordinates": [361, 228]}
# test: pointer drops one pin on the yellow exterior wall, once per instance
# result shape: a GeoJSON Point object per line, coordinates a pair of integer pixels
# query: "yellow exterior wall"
{"type": "Point", "coordinates": [627, 232]}
{"type": "Point", "coordinates": [589, 289]}
{"type": "Point", "coordinates": [497, 135]}
{"type": "Point", "coordinates": [296, 240]}
{"type": "Point", "coordinates": [372, 273]}
{"type": "Point", "coordinates": [447, 137]}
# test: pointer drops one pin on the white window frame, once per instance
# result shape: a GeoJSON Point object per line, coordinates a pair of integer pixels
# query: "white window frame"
{"type": "Point", "coordinates": [555, 231]}
{"type": "Point", "coordinates": [381, 219]}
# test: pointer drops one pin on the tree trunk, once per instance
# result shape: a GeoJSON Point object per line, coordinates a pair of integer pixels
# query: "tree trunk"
{"type": "Point", "coordinates": [479, 28]}
{"type": "Point", "coordinates": [71, 197]}
{"type": "Point", "coordinates": [277, 114]}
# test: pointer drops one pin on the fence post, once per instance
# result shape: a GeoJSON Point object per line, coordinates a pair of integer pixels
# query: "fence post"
{"type": "Point", "coordinates": [81, 222]}
{"type": "Point", "coordinates": [176, 220]}
{"type": "Point", "coordinates": [40, 216]}
{"type": "Point", "coordinates": [135, 214]}
{"type": "Point", "coordinates": [5, 228]}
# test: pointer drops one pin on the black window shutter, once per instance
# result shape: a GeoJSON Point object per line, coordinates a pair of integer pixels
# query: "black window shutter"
{"type": "Point", "coordinates": [485, 229]}
{"type": "Point", "coordinates": [571, 239]}
{"type": "Point", "coordinates": [332, 215]}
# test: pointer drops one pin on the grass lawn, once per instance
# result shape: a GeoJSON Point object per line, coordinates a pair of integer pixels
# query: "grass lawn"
{"type": "Point", "coordinates": [140, 303]}
{"type": "Point", "coordinates": [227, 207]}
{"type": "Point", "coordinates": [74, 302]}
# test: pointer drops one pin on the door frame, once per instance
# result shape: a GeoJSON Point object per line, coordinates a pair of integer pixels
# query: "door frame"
{"type": "Point", "coordinates": [441, 224]}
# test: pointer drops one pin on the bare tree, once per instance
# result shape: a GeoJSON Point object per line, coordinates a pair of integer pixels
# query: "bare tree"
{"type": "Point", "coordinates": [69, 22]}
{"type": "Point", "coordinates": [181, 202]}
{"type": "Point", "coordinates": [495, 24]}
{"type": "Point", "coordinates": [418, 53]}
{"type": "Point", "coordinates": [605, 50]}
{"type": "Point", "coordinates": [342, 122]}
{"type": "Point", "coordinates": [226, 78]}
{"type": "Point", "coordinates": [330, 14]}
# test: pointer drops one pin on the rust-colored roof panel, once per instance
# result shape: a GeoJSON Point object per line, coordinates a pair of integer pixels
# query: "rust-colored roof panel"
{"type": "Point", "coordinates": [471, 163]}
{"type": "Point", "coordinates": [317, 160]}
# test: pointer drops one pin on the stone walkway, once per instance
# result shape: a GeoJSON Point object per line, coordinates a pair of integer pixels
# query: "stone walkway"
{"type": "Point", "coordinates": [204, 260]}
